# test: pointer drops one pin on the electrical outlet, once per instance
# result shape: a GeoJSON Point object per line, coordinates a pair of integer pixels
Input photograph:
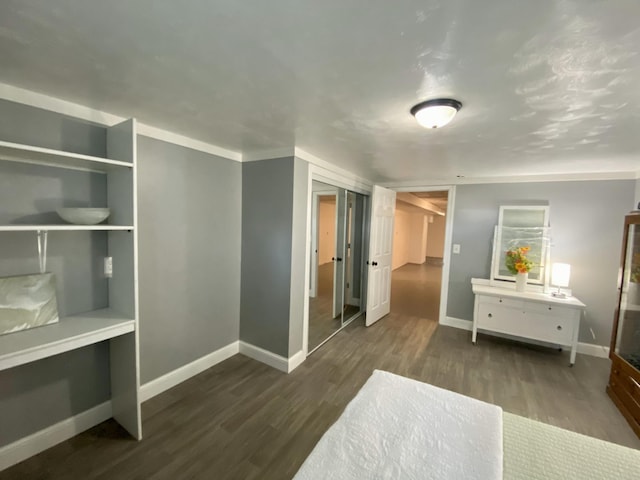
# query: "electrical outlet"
{"type": "Point", "coordinates": [456, 248]}
{"type": "Point", "coordinates": [108, 267]}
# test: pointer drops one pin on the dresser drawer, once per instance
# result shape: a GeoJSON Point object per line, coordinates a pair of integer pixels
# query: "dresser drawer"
{"type": "Point", "coordinates": [625, 382]}
{"type": "Point", "coordinates": [501, 301]}
{"type": "Point", "coordinates": [523, 323]}
{"type": "Point", "coordinates": [550, 310]}
{"type": "Point", "coordinates": [549, 329]}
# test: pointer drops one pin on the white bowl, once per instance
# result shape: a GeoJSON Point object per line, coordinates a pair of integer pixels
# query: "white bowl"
{"type": "Point", "coordinates": [84, 216]}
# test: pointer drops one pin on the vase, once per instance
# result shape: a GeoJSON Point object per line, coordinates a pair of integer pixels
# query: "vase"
{"type": "Point", "coordinates": [521, 281]}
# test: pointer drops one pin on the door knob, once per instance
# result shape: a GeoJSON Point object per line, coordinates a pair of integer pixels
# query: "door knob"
{"type": "Point", "coordinates": [375, 264]}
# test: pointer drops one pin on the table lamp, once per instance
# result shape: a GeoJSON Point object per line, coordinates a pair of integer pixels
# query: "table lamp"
{"type": "Point", "coordinates": [560, 274]}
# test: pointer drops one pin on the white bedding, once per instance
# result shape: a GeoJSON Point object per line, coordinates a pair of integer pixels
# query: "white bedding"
{"type": "Point", "coordinates": [398, 428]}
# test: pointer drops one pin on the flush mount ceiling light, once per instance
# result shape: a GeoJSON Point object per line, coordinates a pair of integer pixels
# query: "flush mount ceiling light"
{"type": "Point", "coordinates": [436, 113]}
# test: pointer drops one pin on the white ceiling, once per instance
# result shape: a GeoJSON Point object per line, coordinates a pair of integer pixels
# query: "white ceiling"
{"type": "Point", "coordinates": [548, 87]}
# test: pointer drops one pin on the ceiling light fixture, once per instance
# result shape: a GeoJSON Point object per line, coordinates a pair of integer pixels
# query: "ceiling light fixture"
{"type": "Point", "coordinates": [436, 113]}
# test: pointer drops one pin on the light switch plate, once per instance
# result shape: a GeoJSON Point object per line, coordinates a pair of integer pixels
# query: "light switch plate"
{"type": "Point", "coordinates": [456, 248]}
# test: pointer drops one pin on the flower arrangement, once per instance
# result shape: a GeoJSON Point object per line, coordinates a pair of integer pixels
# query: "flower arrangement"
{"type": "Point", "coordinates": [517, 261]}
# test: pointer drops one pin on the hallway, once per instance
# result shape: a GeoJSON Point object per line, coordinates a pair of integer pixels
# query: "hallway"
{"type": "Point", "coordinates": [415, 290]}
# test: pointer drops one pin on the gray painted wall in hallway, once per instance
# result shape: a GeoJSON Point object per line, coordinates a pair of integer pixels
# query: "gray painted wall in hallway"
{"type": "Point", "coordinates": [189, 224]}
{"type": "Point", "coordinates": [586, 227]}
{"type": "Point", "coordinates": [75, 381]}
{"type": "Point", "coordinates": [267, 215]}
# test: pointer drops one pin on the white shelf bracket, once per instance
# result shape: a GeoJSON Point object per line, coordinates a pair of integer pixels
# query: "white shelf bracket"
{"type": "Point", "coordinates": [42, 250]}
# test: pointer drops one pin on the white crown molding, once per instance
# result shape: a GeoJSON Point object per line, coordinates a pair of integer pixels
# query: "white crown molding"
{"type": "Point", "coordinates": [53, 104]}
{"type": "Point", "coordinates": [63, 107]}
{"type": "Point", "coordinates": [268, 154]}
{"type": "Point", "coordinates": [48, 437]}
{"type": "Point", "coordinates": [177, 139]}
{"type": "Point", "coordinates": [559, 177]}
{"type": "Point", "coordinates": [319, 162]}
{"type": "Point", "coordinates": [179, 375]}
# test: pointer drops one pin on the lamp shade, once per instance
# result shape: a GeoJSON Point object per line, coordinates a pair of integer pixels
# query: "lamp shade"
{"type": "Point", "coordinates": [560, 274]}
{"type": "Point", "coordinates": [436, 113]}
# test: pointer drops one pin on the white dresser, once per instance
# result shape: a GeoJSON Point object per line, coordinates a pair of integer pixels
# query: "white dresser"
{"type": "Point", "coordinates": [528, 315]}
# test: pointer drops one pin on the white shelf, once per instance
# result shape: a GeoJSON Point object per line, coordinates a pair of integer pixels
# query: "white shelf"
{"type": "Point", "coordinates": [35, 228]}
{"type": "Point", "coordinates": [68, 334]}
{"type": "Point", "coordinates": [16, 152]}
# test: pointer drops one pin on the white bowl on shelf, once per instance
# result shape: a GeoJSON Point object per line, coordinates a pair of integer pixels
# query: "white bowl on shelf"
{"type": "Point", "coordinates": [84, 216]}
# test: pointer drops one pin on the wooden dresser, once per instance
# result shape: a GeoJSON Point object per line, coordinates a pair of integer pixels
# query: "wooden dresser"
{"type": "Point", "coordinates": [624, 381]}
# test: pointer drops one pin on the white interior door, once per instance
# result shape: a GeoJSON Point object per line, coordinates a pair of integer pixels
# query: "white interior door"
{"type": "Point", "coordinates": [383, 204]}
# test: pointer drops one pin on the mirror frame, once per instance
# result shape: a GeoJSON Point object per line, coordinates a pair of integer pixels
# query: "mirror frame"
{"type": "Point", "coordinates": [499, 248]}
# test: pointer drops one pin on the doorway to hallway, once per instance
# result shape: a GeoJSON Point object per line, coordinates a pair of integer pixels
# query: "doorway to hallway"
{"type": "Point", "coordinates": [418, 253]}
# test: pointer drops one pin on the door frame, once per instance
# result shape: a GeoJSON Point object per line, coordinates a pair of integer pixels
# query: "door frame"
{"type": "Point", "coordinates": [448, 239]}
{"type": "Point", "coordinates": [339, 180]}
{"type": "Point", "coordinates": [315, 237]}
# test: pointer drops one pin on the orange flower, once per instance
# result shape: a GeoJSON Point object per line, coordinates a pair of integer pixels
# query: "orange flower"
{"type": "Point", "coordinates": [525, 250]}
{"type": "Point", "coordinates": [521, 267]}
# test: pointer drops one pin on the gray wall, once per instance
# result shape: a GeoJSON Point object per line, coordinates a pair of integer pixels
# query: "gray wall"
{"type": "Point", "coordinates": [586, 221]}
{"type": "Point", "coordinates": [189, 224]}
{"type": "Point", "coordinates": [78, 380]}
{"type": "Point", "coordinates": [267, 215]}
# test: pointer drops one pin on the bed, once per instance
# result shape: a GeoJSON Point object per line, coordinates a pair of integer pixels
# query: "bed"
{"type": "Point", "coordinates": [398, 428]}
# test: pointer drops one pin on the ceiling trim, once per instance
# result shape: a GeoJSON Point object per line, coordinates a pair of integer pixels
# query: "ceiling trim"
{"type": "Point", "coordinates": [361, 182]}
{"type": "Point", "coordinates": [258, 155]}
{"type": "Point", "coordinates": [53, 104]}
{"type": "Point", "coordinates": [560, 177]}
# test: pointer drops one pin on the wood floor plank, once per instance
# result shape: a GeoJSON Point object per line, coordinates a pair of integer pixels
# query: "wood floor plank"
{"type": "Point", "coordinates": [241, 419]}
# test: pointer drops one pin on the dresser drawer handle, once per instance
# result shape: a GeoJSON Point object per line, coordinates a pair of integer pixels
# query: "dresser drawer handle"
{"type": "Point", "coordinates": [549, 308]}
{"type": "Point", "coordinates": [489, 315]}
{"type": "Point", "coordinates": [559, 327]}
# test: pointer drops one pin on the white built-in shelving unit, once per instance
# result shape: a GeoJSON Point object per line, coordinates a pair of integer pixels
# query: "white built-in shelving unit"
{"type": "Point", "coordinates": [118, 322]}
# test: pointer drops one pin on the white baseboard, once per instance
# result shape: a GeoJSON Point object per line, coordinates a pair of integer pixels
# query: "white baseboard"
{"type": "Point", "coordinates": [456, 323]}
{"type": "Point", "coordinates": [295, 361]}
{"type": "Point", "coordinates": [37, 442]}
{"type": "Point", "coordinates": [276, 361]}
{"type": "Point", "coordinates": [593, 350]}
{"type": "Point", "coordinates": [179, 375]}
{"type": "Point", "coordinates": [583, 348]}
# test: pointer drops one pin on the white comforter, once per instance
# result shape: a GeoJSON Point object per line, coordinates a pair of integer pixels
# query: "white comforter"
{"type": "Point", "coordinates": [398, 428]}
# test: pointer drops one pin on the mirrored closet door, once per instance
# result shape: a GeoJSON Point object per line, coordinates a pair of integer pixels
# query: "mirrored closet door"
{"type": "Point", "coordinates": [337, 258]}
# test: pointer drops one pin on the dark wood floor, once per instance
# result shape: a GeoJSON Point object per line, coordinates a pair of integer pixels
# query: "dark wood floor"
{"type": "Point", "coordinates": [242, 419]}
{"type": "Point", "coordinates": [415, 290]}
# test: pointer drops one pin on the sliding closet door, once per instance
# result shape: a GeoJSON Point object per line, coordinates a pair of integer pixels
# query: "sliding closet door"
{"type": "Point", "coordinates": [340, 249]}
